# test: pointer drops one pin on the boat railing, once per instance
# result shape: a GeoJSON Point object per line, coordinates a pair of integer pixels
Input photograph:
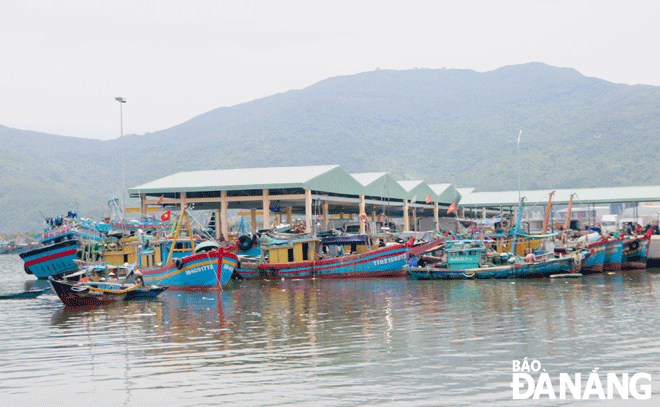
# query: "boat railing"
{"type": "Point", "coordinates": [55, 232]}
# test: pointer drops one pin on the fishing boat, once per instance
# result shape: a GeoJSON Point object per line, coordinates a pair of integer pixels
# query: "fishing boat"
{"type": "Point", "coordinates": [595, 247]}
{"type": "Point", "coordinates": [473, 260]}
{"type": "Point", "coordinates": [87, 292]}
{"type": "Point", "coordinates": [181, 263]}
{"type": "Point", "coordinates": [59, 247]}
{"type": "Point", "coordinates": [613, 254]}
{"type": "Point", "coordinates": [12, 247]}
{"type": "Point", "coordinates": [127, 273]}
{"type": "Point", "coordinates": [24, 294]}
{"type": "Point", "coordinates": [196, 271]}
{"type": "Point", "coordinates": [634, 251]}
{"type": "Point", "coordinates": [331, 257]}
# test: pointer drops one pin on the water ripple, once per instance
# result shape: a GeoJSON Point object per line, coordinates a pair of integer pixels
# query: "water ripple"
{"type": "Point", "coordinates": [336, 343]}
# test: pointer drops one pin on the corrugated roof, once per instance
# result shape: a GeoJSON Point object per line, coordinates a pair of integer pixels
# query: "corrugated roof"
{"type": "Point", "coordinates": [465, 191]}
{"type": "Point", "coordinates": [326, 178]}
{"type": "Point", "coordinates": [380, 184]}
{"type": "Point", "coordinates": [418, 190]}
{"type": "Point", "coordinates": [366, 178]}
{"type": "Point", "coordinates": [446, 193]}
{"type": "Point", "coordinates": [562, 196]}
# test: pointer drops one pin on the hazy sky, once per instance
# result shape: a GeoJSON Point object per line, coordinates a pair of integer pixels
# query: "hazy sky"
{"type": "Point", "coordinates": [64, 62]}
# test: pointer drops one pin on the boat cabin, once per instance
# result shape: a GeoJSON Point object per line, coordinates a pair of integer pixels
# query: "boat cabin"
{"type": "Point", "coordinates": [115, 251]}
{"type": "Point", "coordinates": [334, 246]}
{"type": "Point", "coordinates": [465, 256]}
{"type": "Point", "coordinates": [295, 251]}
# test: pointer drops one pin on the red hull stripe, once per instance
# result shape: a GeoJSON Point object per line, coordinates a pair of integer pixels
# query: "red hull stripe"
{"type": "Point", "coordinates": [318, 266]}
{"type": "Point", "coordinates": [51, 256]}
{"type": "Point", "coordinates": [304, 269]}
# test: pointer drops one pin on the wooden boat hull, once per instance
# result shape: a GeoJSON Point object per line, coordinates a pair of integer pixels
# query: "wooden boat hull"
{"type": "Point", "coordinates": [197, 271]}
{"type": "Point", "coordinates": [51, 260]}
{"type": "Point", "coordinates": [383, 262]}
{"type": "Point", "coordinates": [74, 294]}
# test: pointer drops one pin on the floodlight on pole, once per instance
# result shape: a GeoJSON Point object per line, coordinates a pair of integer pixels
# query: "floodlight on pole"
{"type": "Point", "coordinates": [121, 101]}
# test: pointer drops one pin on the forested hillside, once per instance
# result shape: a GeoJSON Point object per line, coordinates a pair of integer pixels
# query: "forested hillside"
{"type": "Point", "coordinates": [416, 124]}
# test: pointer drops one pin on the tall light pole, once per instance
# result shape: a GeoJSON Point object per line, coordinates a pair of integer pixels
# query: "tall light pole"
{"type": "Point", "coordinates": [121, 101]}
{"type": "Point", "coordinates": [519, 134]}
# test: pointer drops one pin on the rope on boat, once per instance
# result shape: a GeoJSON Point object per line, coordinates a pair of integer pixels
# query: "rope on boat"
{"type": "Point", "coordinates": [577, 261]}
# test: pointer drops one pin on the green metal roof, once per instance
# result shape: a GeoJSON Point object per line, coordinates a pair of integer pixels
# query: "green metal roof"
{"type": "Point", "coordinates": [324, 178]}
{"type": "Point", "coordinates": [446, 193]}
{"type": "Point", "coordinates": [465, 191]}
{"type": "Point", "coordinates": [380, 184]}
{"type": "Point", "coordinates": [418, 190]}
{"type": "Point", "coordinates": [562, 196]}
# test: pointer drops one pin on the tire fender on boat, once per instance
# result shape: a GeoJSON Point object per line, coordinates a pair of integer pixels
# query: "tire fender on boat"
{"type": "Point", "coordinates": [178, 263]}
{"type": "Point", "coordinates": [634, 245]}
{"type": "Point", "coordinates": [245, 242]}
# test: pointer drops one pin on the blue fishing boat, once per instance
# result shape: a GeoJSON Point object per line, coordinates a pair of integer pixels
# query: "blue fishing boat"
{"type": "Point", "coordinates": [473, 260]}
{"type": "Point", "coordinates": [195, 271]}
{"type": "Point", "coordinates": [331, 257]}
{"type": "Point", "coordinates": [180, 264]}
{"type": "Point", "coordinates": [543, 267]}
{"type": "Point", "coordinates": [634, 251]}
{"type": "Point", "coordinates": [59, 247]}
{"type": "Point", "coordinates": [594, 259]}
{"type": "Point", "coordinates": [613, 254]}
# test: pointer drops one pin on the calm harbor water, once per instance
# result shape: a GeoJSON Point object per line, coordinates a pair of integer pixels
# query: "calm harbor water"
{"type": "Point", "coordinates": [330, 343]}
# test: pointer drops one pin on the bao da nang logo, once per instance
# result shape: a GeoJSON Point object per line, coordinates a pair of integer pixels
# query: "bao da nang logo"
{"type": "Point", "coordinates": [530, 380]}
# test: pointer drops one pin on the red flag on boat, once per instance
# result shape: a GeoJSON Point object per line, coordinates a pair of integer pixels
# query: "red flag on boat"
{"type": "Point", "coordinates": [428, 198]}
{"type": "Point", "coordinates": [160, 200]}
{"type": "Point", "coordinates": [166, 216]}
{"type": "Point", "coordinates": [452, 208]}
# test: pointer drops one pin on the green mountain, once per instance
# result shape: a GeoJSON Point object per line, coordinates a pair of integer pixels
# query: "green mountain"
{"type": "Point", "coordinates": [416, 124]}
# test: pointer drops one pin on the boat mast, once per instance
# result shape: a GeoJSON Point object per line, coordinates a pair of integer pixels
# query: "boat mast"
{"type": "Point", "coordinates": [520, 203]}
{"type": "Point", "coordinates": [184, 214]}
{"type": "Point", "coordinates": [567, 222]}
{"type": "Point", "coordinates": [546, 218]}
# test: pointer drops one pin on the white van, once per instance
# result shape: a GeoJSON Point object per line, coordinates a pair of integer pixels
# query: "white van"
{"type": "Point", "coordinates": [609, 223]}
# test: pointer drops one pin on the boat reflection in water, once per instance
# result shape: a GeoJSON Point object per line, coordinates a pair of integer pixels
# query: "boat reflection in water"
{"type": "Point", "coordinates": [330, 342]}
